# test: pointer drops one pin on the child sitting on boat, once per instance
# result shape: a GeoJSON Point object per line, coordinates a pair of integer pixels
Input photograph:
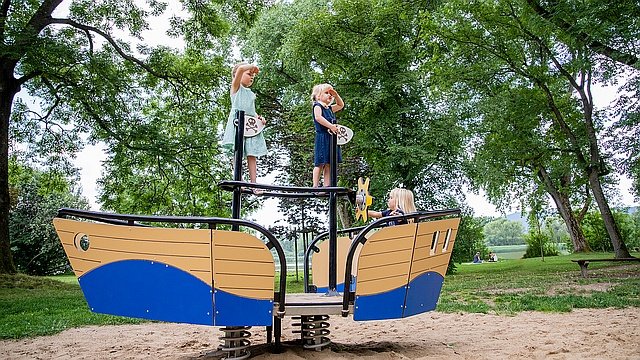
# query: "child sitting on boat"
{"type": "Point", "coordinates": [400, 202]}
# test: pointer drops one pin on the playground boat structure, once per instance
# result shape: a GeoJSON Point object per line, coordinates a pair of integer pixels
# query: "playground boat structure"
{"type": "Point", "coordinates": [212, 273]}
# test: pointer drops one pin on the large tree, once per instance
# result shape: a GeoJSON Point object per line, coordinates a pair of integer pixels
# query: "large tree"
{"type": "Point", "coordinates": [88, 68]}
{"type": "Point", "coordinates": [510, 41]}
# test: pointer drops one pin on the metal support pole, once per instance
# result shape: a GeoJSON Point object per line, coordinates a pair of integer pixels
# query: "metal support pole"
{"type": "Point", "coordinates": [238, 152]}
{"type": "Point", "coordinates": [333, 219]}
{"type": "Point", "coordinates": [295, 251]}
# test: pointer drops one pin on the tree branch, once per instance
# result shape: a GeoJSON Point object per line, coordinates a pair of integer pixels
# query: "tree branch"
{"type": "Point", "coordinates": [587, 203]}
{"type": "Point", "coordinates": [595, 45]}
{"type": "Point", "coordinates": [4, 10]}
{"type": "Point", "coordinates": [110, 40]}
{"type": "Point", "coordinates": [29, 76]}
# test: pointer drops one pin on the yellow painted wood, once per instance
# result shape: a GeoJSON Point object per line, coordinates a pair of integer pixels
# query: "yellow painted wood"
{"type": "Point", "coordinates": [320, 262]}
{"type": "Point", "coordinates": [132, 232]}
{"type": "Point", "coordinates": [381, 279]}
{"type": "Point", "coordinates": [392, 232]}
{"type": "Point", "coordinates": [243, 268]}
{"type": "Point", "coordinates": [377, 260]}
{"type": "Point", "coordinates": [251, 293]}
{"type": "Point", "coordinates": [246, 254]}
{"type": "Point", "coordinates": [426, 258]}
{"type": "Point", "coordinates": [429, 227]}
{"type": "Point", "coordinates": [420, 266]}
{"type": "Point", "coordinates": [186, 249]}
{"type": "Point", "coordinates": [238, 281]}
{"type": "Point", "coordinates": [382, 247]}
{"type": "Point", "coordinates": [385, 260]}
{"type": "Point", "coordinates": [232, 250]}
{"type": "Point", "coordinates": [101, 257]}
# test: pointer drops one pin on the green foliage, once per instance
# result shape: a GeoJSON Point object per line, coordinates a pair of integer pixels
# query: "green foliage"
{"type": "Point", "coordinates": [504, 232]}
{"type": "Point", "coordinates": [34, 243]}
{"type": "Point", "coordinates": [87, 76]}
{"type": "Point", "coordinates": [400, 137]}
{"type": "Point", "coordinates": [634, 240]}
{"type": "Point", "coordinates": [522, 87]}
{"type": "Point", "coordinates": [538, 241]}
{"type": "Point", "coordinates": [469, 240]}
{"type": "Point", "coordinates": [556, 229]}
{"type": "Point", "coordinates": [509, 251]}
{"type": "Point", "coordinates": [597, 237]}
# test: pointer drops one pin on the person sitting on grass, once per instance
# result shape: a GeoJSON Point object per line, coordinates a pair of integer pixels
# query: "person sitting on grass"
{"type": "Point", "coordinates": [477, 259]}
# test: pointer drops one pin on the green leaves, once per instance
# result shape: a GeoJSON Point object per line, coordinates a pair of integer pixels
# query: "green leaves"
{"type": "Point", "coordinates": [369, 52]}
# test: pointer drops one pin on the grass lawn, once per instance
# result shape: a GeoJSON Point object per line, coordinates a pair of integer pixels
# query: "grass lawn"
{"type": "Point", "coordinates": [34, 306]}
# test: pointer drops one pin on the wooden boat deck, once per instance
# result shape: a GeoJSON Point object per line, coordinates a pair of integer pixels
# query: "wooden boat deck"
{"type": "Point", "coordinates": [312, 304]}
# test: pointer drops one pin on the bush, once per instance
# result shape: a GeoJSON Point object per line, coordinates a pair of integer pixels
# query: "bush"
{"type": "Point", "coordinates": [535, 242]}
{"type": "Point", "coordinates": [36, 198]}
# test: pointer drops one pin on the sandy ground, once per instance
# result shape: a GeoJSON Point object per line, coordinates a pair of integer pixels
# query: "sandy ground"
{"type": "Point", "coordinates": [581, 334]}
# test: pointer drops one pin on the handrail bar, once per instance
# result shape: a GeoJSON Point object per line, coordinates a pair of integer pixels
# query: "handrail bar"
{"type": "Point", "coordinates": [312, 247]}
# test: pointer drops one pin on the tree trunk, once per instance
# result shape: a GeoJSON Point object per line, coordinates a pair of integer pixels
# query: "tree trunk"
{"type": "Point", "coordinates": [344, 214]}
{"type": "Point", "coordinates": [619, 248]}
{"type": "Point", "coordinates": [563, 205]}
{"type": "Point", "coordinates": [573, 226]}
{"type": "Point", "coordinates": [595, 170]}
{"type": "Point", "coordinates": [8, 89]}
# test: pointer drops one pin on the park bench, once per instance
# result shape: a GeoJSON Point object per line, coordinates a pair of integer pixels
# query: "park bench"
{"type": "Point", "coordinates": [585, 262]}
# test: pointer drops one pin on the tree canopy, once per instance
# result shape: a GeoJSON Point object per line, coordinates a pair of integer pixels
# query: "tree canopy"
{"type": "Point", "coordinates": [496, 95]}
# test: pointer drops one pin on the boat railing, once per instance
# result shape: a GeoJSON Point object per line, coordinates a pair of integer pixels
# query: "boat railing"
{"type": "Point", "coordinates": [211, 222]}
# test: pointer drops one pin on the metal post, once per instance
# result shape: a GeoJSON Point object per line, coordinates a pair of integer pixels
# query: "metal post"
{"type": "Point", "coordinates": [333, 220]}
{"type": "Point", "coordinates": [238, 152]}
{"type": "Point", "coordinates": [295, 251]}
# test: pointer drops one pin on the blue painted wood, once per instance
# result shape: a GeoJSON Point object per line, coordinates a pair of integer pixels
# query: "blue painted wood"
{"type": "Point", "coordinates": [234, 310]}
{"type": "Point", "coordinates": [148, 290]}
{"type": "Point", "coordinates": [423, 293]}
{"type": "Point", "coordinates": [386, 305]}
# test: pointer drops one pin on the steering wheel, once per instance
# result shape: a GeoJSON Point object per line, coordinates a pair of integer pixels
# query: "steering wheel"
{"type": "Point", "coordinates": [363, 199]}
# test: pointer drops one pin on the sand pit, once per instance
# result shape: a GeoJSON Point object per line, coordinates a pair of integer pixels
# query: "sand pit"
{"type": "Point", "coordinates": [583, 333]}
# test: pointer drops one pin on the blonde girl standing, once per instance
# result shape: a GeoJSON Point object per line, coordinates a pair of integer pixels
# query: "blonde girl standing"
{"type": "Point", "coordinates": [324, 120]}
{"type": "Point", "coordinates": [243, 99]}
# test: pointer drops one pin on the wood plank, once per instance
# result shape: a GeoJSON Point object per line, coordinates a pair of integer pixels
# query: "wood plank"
{"type": "Point", "coordinates": [320, 262]}
{"type": "Point", "coordinates": [382, 278]}
{"type": "Point", "coordinates": [186, 249]}
{"type": "Point", "coordinates": [133, 232]}
{"type": "Point", "coordinates": [243, 268]}
{"type": "Point", "coordinates": [151, 247]}
{"type": "Point", "coordinates": [393, 232]}
{"type": "Point", "coordinates": [433, 263]}
{"type": "Point", "coordinates": [381, 259]}
{"type": "Point", "coordinates": [429, 227]}
{"type": "Point", "coordinates": [254, 293]}
{"type": "Point", "coordinates": [238, 281]}
{"type": "Point", "coordinates": [243, 265]}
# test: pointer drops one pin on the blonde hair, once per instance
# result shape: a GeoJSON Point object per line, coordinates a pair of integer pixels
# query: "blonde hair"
{"type": "Point", "coordinates": [235, 68]}
{"type": "Point", "coordinates": [404, 199]}
{"type": "Point", "coordinates": [317, 90]}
